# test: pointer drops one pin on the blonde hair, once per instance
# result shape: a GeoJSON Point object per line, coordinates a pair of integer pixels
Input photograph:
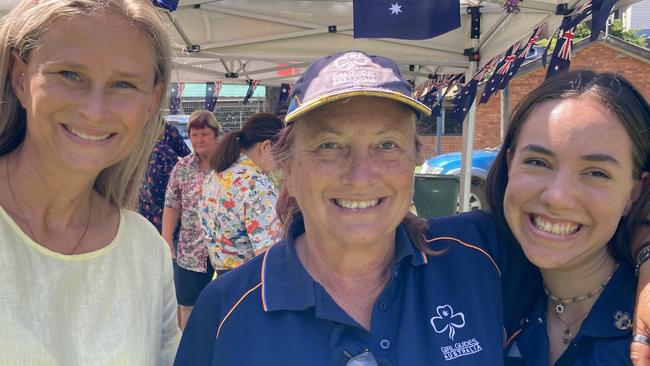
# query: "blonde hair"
{"type": "Point", "coordinates": [22, 30]}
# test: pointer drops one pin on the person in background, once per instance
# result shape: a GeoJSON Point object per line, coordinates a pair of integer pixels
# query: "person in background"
{"type": "Point", "coordinates": [238, 203]}
{"type": "Point", "coordinates": [84, 280]}
{"type": "Point", "coordinates": [192, 270]}
{"type": "Point", "coordinates": [166, 152]}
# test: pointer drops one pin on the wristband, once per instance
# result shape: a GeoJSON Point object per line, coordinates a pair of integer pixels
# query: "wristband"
{"type": "Point", "coordinates": [642, 255]}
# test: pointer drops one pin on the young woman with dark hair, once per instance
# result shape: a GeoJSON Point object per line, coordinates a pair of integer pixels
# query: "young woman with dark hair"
{"type": "Point", "coordinates": [237, 208]}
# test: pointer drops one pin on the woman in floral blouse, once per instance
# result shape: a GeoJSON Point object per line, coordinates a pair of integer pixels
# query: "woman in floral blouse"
{"type": "Point", "coordinates": [192, 271]}
{"type": "Point", "coordinates": [238, 204]}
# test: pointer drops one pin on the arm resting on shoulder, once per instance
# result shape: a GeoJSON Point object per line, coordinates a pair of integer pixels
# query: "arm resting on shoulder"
{"type": "Point", "coordinates": [640, 246]}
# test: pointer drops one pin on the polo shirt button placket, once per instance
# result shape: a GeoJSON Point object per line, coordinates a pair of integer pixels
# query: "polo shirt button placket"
{"type": "Point", "coordinates": [384, 344]}
{"type": "Point", "coordinates": [383, 307]}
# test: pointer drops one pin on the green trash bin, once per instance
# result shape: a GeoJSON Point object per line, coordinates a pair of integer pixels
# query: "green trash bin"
{"type": "Point", "coordinates": [436, 195]}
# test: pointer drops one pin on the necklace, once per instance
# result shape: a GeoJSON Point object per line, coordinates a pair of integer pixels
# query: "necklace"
{"type": "Point", "coordinates": [560, 304]}
{"type": "Point", "coordinates": [567, 335]}
{"type": "Point", "coordinates": [29, 228]}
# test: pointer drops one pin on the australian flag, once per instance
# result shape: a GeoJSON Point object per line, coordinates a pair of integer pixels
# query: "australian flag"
{"type": "Point", "coordinates": [465, 97]}
{"type": "Point", "coordinates": [175, 95]}
{"type": "Point", "coordinates": [600, 10]}
{"type": "Point", "coordinates": [252, 84]}
{"type": "Point", "coordinates": [170, 5]}
{"type": "Point", "coordinates": [502, 69]}
{"type": "Point", "coordinates": [285, 90]}
{"type": "Point", "coordinates": [405, 19]}
{"type": "Point", "coordinates": [521, 56]}
{"type": "Point", "coordinates": [561, 58]}
{"type": "Point", "coordinates": [212, 90]}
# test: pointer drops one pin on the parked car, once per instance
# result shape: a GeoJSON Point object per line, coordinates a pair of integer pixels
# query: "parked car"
{"type": "Point", "coordinates": [180, 122]}
{"type": "Point", "coordinates": [449, 164]}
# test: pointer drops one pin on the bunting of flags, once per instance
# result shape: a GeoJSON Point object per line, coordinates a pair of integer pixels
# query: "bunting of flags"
{"type": "Point", "coordinates": [175, 95]}
{"type": "Point", "coordinates": [285, 91]}
{"type": "Point", "coordinates": [252, 84]}
{"type": "Point", "coordinates": [431, 97]}
{"type": "Point", "coordinates": [405, 19]}
{"type": "Point", "coordinates": [170, 5]}
{"type": "Point", "coordinates": [465, 98]}
{"type": "Point", "coordinates": [600, 10]}
{"type": "Point", "coordinates": [561, 57]}
{"type": "Point", "coordinates": [521, 55]}
{"type": "Point", "coordinates": [500, 73]}
{"type": "Point", "coordinates": [212, 90]}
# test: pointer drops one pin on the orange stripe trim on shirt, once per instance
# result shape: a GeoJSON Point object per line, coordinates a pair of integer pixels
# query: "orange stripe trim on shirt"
{"type": "Point", "coordinates": [235, 306]}
{"type": "Point", "coordinates": [262, 277]}
{"type": "Point", "coordinates": [513, 336]}
{"type": "Point", "coordinates": [469, 246]}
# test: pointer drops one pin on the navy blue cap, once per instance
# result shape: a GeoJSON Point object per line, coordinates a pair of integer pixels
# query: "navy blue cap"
{"type": "Point", "coordinates": [347, 74]}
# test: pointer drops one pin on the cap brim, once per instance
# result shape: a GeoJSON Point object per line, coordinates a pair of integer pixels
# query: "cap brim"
{"type": "Point", "coordinates": [326, 99]}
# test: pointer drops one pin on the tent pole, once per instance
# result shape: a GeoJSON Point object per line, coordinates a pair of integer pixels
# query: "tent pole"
{"type": "Point", "coordinates": [439, 120]}
{"type": "Point", "coordinates": [505, 110]}
{"type": "Point", "coordinates": [467, 147]}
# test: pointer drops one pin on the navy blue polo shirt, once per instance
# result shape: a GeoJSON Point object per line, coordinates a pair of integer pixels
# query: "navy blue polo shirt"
{"type": "Point", "coordinates": [521, 281]}
{"type": "Point", "coordinates": [603, 339]}
{"type": "Point", "coordinates": [441, 309]}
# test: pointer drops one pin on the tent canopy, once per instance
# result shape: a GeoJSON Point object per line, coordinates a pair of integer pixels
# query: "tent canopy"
{"type": "Point", "coordinates": [273, 40]}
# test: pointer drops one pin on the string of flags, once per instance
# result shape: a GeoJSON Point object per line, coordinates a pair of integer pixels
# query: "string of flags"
{"type": "Point", "coordinates": [212, 90]}
{"type": "Point", "coordinates": [562, 54]}
{"type": "Point", "coordinates": [252, 84]}
{"type": "Point", "coordinates": [175, 95]}
{"type": "Point", "coordinates": [465, 97]}
{"type": "Point", "coordinates": [285, 91]}
{"type": "Point", "coordinates": [429, 92]}
{"type": "Point", "coordinates": [497, 78]}
{"type": "Point", "coordinates": [170, 5]}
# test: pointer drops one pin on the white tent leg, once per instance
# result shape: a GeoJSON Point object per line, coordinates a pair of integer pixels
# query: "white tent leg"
{"type": "Point", "coordinates": [505, 111]}
{"type": "Point", "coordinates": [466, 152]}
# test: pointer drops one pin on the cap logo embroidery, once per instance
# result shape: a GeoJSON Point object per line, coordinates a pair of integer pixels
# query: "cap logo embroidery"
{"type": "Point", "coordinates": [351, 70]}
{"type": "Point", "coordinates": [350, 60]}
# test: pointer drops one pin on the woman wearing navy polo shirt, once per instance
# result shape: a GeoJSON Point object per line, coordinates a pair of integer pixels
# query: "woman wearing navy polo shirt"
{"type": "Point", "coordinates": [357, 279]}
{"type": "Point", "coordinates": [571, 168]}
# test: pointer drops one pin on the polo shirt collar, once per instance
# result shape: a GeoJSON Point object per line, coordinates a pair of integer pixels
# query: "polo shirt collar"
{"type": "Point", "coordinates": [617, 298]}
{"type": "Point", "coordinates": [616, 303]}
{"type": "Point", "coordinates": [286, 284]}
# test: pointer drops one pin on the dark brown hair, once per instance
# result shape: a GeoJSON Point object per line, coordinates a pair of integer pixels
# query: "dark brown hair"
{"type": "Point", "coordinates": [615, 93]}
{"type": "Point", "coordinates": [260, 127]}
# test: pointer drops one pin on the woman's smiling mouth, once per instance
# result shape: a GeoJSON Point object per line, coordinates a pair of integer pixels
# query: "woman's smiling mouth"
{"type": "Point", "coordinates": [556, 228]}
{"type": "Point", "coordinates": [352, 204]}
{"type": "Point", "coordinates": [85, 136]}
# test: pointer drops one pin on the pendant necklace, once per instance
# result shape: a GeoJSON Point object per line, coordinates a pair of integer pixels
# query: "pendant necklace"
{"type": "Point", "coordinates": [560, 303]}
{"type": "Point", "coordinates": [567, 334]}
{"type": "Point", "coordinates": [29, 228]}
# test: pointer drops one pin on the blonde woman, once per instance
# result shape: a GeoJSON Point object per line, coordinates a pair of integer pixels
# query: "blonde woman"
{"type": "Point", "coordinates": [84, 281]}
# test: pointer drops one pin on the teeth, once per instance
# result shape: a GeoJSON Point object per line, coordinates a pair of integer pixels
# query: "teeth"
{"type": "Point", "coordinates": [566, 228]}
{"type": "Point", "coordinates": [356, 204]}
{"type": "Point", "coordinates": [86, 137]}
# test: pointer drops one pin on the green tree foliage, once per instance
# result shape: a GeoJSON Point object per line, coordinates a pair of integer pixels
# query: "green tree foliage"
{"type": "Point", "coordinates": [616, 30]}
